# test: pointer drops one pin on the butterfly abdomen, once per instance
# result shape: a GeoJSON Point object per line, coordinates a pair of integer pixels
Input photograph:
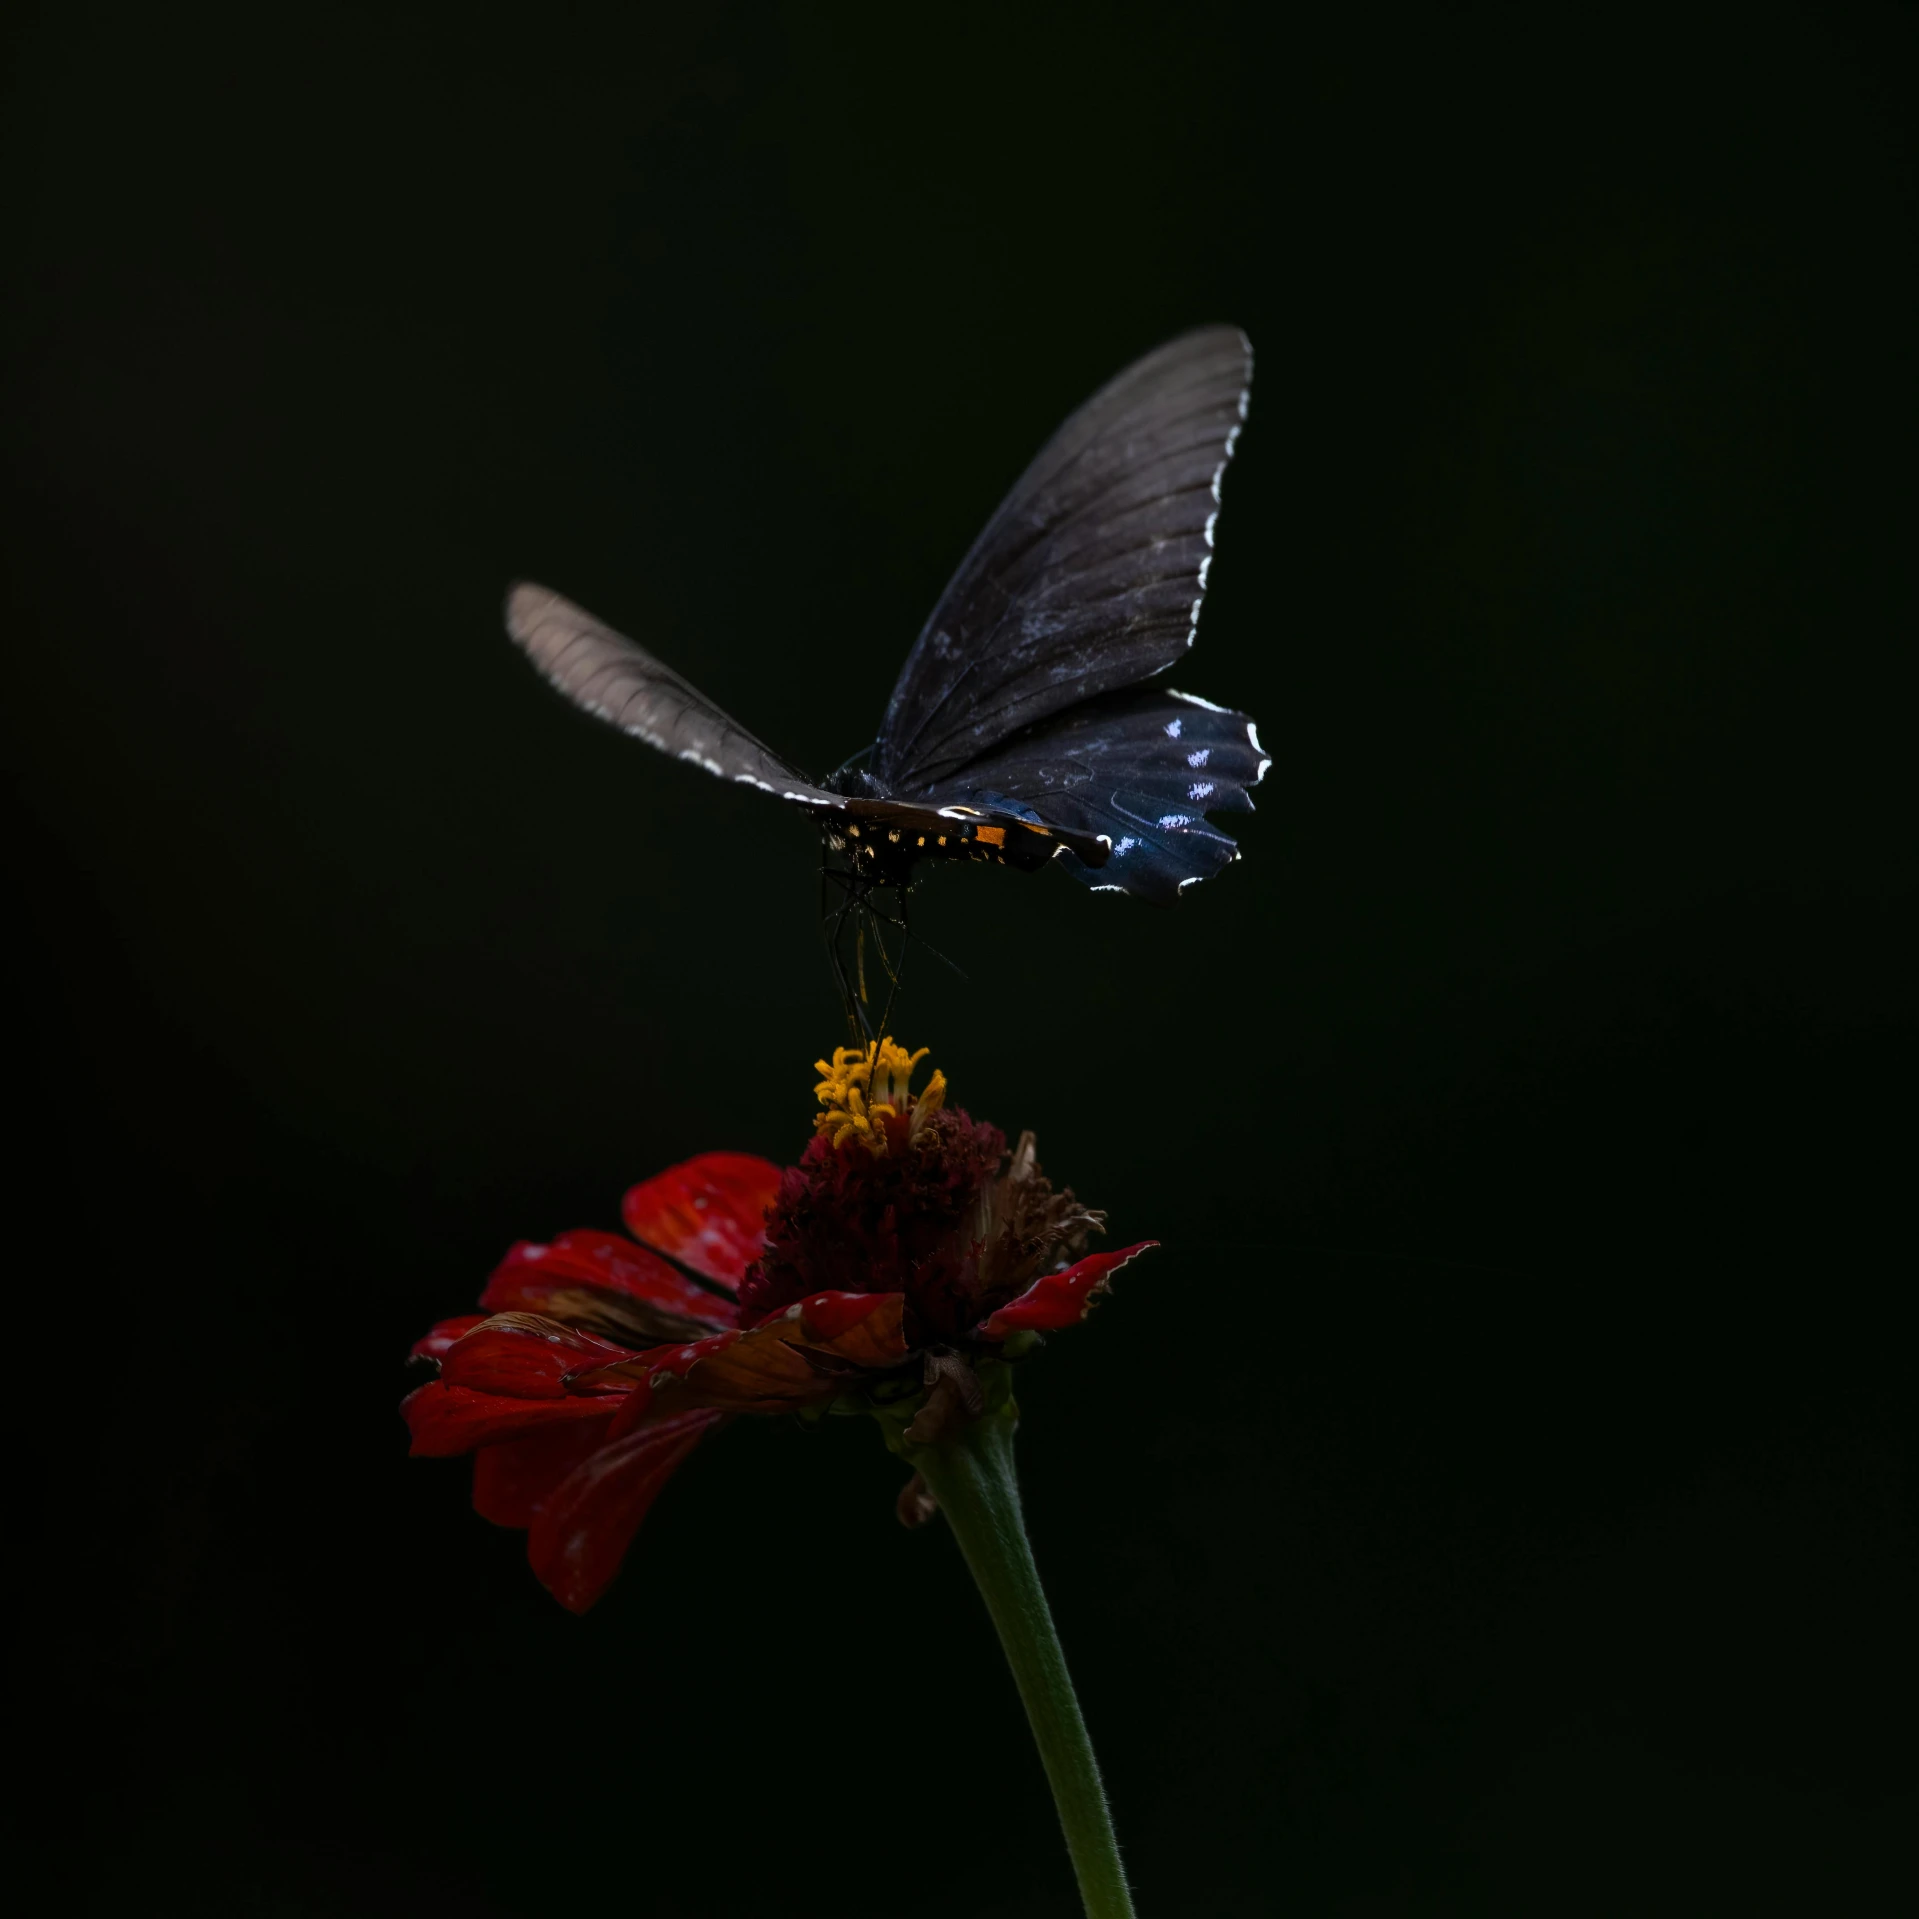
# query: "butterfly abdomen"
{"type": "Point", "coordinates": [889, 838]}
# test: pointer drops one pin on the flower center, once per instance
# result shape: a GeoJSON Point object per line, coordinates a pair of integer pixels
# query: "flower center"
{"type": "Point", "coordinates": [866, 1095]}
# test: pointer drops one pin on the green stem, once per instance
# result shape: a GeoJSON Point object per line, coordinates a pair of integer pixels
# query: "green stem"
{"type": "Point", "coordinates": [972, 1477]}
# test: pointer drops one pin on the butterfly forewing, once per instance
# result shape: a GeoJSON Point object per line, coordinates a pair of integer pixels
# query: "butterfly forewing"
{"type": "Point", "coordinates": [1089, 577]}
{"type": "Point", "coordinates": [617, 680]}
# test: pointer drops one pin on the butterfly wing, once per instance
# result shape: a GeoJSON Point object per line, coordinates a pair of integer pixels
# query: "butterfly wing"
{"type": "Point", "coordinates": [1140, 768]}
{"type": "Point", "coordinates": [617, 680]}
{"type": "Point", "coordinates": [1090, 575]}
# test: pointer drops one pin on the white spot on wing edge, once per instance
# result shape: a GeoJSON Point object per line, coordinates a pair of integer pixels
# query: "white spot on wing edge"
{"type": "Point", "coordinates": [1192, 880]}
{"type": "Point", "coordinates": [1193, 699]}
{"type": "Point", "coordinates": [1106, 889]}
{"type": "Point", "coordinates": [1252, 736]}
{"type": "Point", "coordinates": [747, 779]}
{"type": "Point", "coordinates": [699, 759]}
{"type": "Point", "coordinates": [1242, 405]}
{"type": "Point", "coordinates": [1205, 567]}
{"type": "Point", "coordinates": [1212, 520]}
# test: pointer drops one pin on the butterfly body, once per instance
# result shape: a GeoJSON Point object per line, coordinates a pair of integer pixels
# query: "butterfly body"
{"type": "Point", "coordinates": [883, 838]}
{"type": "Point", "coordinates": [1028, 724]}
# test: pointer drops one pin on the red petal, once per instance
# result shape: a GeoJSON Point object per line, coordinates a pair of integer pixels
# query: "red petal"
{"type": "Point", "coordinates": [522, 1356]}
{"type": "Point", "coordinates": [536, 1278]}
{"type": "Point", "coordinates": [454, 1419]}
{"type": "Point", "coordinates": [511, 1479]}
{"type": "Point", "coordinates": [1060, 1299]}
{"type": "Point", "coordinates": [436, 1344]}
{"type": "Point", "coordinates": [862, 1327]}
{"type": "Point", "coordinates": [768, 1370]}
{"type": "Point", "coordinates": [827, 1315]}
{"type": "Point", "coordinates": [803, 1355]}
{"type": "Point", "coordinates": [680, 1360]}
{"type": "Point", "coordinates": [708, 1213]}
{"type": "Point", "coordinates": [637, 1372]}
{"type": "Point", "coordinates": [636, 1406]}
{"type": "Point", "coordinates": [585, 1525]}
{"type": "Point", "coordinates": [758, 1372]}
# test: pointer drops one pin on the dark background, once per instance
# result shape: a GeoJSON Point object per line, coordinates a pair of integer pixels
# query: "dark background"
{"type": "Point", "coordinates": [1497, 1497]}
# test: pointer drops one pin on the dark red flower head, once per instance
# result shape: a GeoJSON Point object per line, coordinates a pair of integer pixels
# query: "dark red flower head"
{"type": "Point", "coordinates": [906, 1251]}
{"type": "Point", "coordinates": [905, 1194]}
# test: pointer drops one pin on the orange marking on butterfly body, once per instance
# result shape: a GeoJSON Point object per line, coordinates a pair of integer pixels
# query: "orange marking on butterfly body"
{"type": "Point", "coordinates": [991, 835]}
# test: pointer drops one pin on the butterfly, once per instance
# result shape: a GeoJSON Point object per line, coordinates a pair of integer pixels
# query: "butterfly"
{"type": "Point", "coordinates": [1028, 724]}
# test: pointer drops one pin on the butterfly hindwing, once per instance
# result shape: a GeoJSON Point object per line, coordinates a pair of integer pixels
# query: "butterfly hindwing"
{"type": "Point", "coordinates": [1090, 575]}
{"type": "Point", "coordinates": [1141, 768]}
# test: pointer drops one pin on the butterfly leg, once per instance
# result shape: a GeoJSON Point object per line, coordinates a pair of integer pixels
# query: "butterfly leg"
{"type": "Point", "coordinates": [867, 918]}
{"type": "Point", "coordinates": [895, 970]}
{"type": "Point", "coordinates": [834, 924]}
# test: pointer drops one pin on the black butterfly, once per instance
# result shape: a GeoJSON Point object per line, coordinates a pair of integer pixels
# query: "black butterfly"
{"type": "Point", "coordinates": [1026, 725]}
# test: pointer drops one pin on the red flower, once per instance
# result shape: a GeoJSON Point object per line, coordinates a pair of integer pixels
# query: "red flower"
{"type": "Point", "coordinates": [903, 1255]}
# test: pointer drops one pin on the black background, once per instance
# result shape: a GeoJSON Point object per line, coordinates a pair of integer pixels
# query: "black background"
{"type": "Point", "coordinates": [1497, 1497]}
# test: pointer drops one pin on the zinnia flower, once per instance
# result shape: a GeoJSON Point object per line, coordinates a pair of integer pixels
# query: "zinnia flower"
{"type": "Point", "coordinates": [896, 1270]}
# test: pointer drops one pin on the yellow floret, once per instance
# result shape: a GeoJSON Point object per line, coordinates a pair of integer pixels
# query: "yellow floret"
{"type": "Point", "coordinates": [863, 1088]}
